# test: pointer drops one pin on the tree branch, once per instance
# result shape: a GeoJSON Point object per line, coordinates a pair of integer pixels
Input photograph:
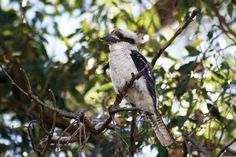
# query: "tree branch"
{"type": "Point", "coordinates": [50, 135]}
{"type": "Point", "coordinates": [132, 147]}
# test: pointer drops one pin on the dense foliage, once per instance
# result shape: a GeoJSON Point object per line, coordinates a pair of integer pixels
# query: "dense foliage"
{"type": "Point", "coordinates": [57, 44]}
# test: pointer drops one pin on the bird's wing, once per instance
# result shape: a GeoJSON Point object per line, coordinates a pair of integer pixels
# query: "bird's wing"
{"type": "Point", "coordinates": [140, 62]}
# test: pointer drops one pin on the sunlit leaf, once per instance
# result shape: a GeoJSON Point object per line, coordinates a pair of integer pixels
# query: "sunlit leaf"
{"type": "Point", "coordinates": [197, 42]}
{"type": "Point", "coordinates": [105, 87]}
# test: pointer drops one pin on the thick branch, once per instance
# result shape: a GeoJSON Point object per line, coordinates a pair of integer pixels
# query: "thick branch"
{"type": "Point", "coordinates": [132, 148]}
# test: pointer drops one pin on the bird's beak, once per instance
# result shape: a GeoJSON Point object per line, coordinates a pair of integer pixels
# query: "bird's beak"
{"type": "Point", "coordinates": [109, 39]}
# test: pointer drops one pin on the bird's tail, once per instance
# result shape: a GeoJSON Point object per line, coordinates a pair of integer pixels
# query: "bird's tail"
{"type": "Point", "coordinates": [160, 129]}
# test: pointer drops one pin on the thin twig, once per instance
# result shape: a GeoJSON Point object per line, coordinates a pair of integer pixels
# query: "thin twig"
{"type": "Point", "coordinates": [224, 26]}
{"type": "Point", "coordinates": [123, 140]}
{"type": "Point", "coordinates": [178, 32]}
{"type": "Point", "coordinates": [76, 132]}
{"type": "Point", "coordinates": [36, 99]}
{"type": "Point", "coordinates": [186, 148]}
{"type": "Point", "coordinates": [82, 145]}
{"type": "Point", "coordinates": [49, 137]}
{"type": "Point", "coordinates": [59, 140]}
{"type": "Point", "coordinates": [41, 121]}
{"type": "Point", "coordinates": [54, 113]}
{"type": "Point", "coordinates": [29, 128]}
{"type": "Point", "coordinates": [225, 147]}
{"type": "Point", "coordinates": [29, 88]}
{"type": "Point", "coordinates": [12, 81]}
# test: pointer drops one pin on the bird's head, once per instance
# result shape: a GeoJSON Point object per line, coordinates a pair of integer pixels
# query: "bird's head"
{"type": "Point", "coordinates": [120, 35]}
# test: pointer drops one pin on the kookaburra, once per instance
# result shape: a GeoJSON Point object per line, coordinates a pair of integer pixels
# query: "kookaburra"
{"type": "Point", "coordinates": [125, 59]}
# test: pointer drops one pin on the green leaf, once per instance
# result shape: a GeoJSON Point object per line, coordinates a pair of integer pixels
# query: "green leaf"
{"type": "Point", "coordinates": [186, 68]}
{"type": "Point", "coordinates": [218, 75]}
{"type": "Point", "coordinates": [105, 87]}
{"type": "Point", "coordinates": [181, 120]}
{"type": "Point", "coordinates": [192, 51]}
{"type": "Point", "coordinates": [166, 54]}
{"type": "Point", "coordinates": [234, 108]}
{"type": "Point", "coordinates": [214, 111]}
{"type": "Point", "coordinates": [230, 9]}
{"type": "Point", "coordinates": [190, 97]}
{"type": "Point", "coordinates": [90, 84]}
{"type": "Point", "coordinates": [204, 93]}
{"type": "Point", "coordinates": [233, 1]}
{"type": "Point", "coordinates": [199, 17]}
{"type": "Point", "coordinates": [180, 2]}
{"type": "Point", "coordinates": [160, 72]}
{"type": "Point", "coordinates": [210, 35]}
{"type": "Point", "coordinates": [162, 151]}
{"type": "Point", "coordinates": [181, 88]}
{"type": "Point", "coordinates": [225, 65]}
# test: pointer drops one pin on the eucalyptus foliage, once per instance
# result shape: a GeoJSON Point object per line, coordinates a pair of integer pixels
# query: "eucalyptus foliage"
{"type": "Point", "coordinates": [57, 44]}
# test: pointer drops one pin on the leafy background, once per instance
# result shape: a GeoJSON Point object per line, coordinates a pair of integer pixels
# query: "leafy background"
{"type": "Point", "coordinates": [57, 43]}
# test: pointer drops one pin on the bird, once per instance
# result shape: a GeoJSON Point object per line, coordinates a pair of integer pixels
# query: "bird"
{"type": "Point", "coordinates": [125, 60]}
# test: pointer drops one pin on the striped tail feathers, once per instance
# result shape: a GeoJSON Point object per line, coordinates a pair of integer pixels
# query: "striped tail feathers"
{"type": "Point", "coordinates": [160, 129]}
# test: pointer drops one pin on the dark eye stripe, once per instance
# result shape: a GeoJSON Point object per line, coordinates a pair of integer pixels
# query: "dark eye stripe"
{"type": "Point", "coordinates": [122, 38]}
{"type": "Point", "coordinates": [125, 39]}
{"type": "Point", "coordinates": [129, 40]}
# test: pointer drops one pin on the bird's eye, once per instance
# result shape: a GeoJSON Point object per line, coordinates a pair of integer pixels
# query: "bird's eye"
{"type": "Point", "coordinates": [145, 38]}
